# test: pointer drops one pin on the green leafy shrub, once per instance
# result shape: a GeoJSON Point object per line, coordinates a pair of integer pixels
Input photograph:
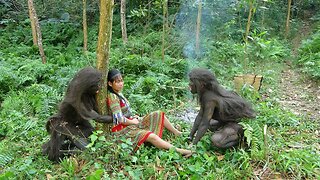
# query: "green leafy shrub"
{"type": "Point", "coordinates": [24, 110]}
{"type": "Point", "coordinates": [137, 46]}
{"type": "Point", "coordinates": [133, 64]}
{"type": "Point", "coordinates": [8, 79]}
{"type": "Point", "coordinates": [58, 33]}
{"type": "Point", "coordinates": [309, 55]}
{"type": "Point", "coordinates": [16, 34]}
{"type": "Point", "coordinates": [5, 157]}
{"type": "Point", "coordinates": [268, 49]}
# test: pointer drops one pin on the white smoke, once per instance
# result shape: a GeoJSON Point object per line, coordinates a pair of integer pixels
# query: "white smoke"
{"type": "Point", "coordinates": [214, 15]}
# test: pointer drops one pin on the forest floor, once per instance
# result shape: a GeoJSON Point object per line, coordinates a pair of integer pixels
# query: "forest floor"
{"type": "Point", "coordinates": [299, 93]}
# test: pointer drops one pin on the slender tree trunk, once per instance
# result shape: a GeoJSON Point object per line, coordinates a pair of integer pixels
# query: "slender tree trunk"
{"type": "Point", "coordinates": [147, 18]}
{"type": "Point", "coordinates": [263, 14]}
{"type": "Point", "coordinates": [123, 21]}
{"type": "Point", "coordinates": [240, 17]}
{"type": "Point", "coordinates": [249, 21]}
{"type": "Point", "coordinates": [85, 27]}
{"type": "Point", "coordinates": [198, 29]}
{"type": "Point", "coordinates": [245, 63]}
{"type": "Point", "coordinates": [41, 50]}
{"type": "Point", "coordinates": [164, 26]}
{"type": "Point", "coordinates": [103, 48]}
{"type": "Point", "coordinates": [36, 31]}
{"type": "Point", "coordinates": [33, 24]}
{"type": "Point", "coordinates": [288, 19]}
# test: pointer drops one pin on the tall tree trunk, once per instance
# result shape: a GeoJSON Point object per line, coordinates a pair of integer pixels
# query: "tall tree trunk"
{"type": "Point", "coordinates": [288, 19]}
{"type": "Point", "coordinates": [249, 21]}
{"type": "Point", "coordinates": [239, 16]}
{"type": "Point", "coordinates": [245, 63]}
{"type": "Point", "coordinates": [36, 31]}
{"type": "Point", "coordinates": [263, 14]}
{"type": "Point", "coordinates": [123, 21]}
{"type": "Point", "coordinates": [39, 36]}
{"type": "Point", "coordinates": [146, 26]}
{"type": "Point", "coordinates": [198, 29]}
{"type": "Point", "coordinates": [103, 48]}
{"type": "Point", "coordinates": [85, 27]}
{"type": "Point", "coordinates": [33, 24]}
{"type": "Point", "coordinates": [164, 26]}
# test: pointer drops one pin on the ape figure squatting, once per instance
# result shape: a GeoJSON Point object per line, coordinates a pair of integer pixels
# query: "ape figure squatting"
{"type": "Point", "coordinates": [70, 127]}
{"type": "Point", "coordinates": [220, 110]}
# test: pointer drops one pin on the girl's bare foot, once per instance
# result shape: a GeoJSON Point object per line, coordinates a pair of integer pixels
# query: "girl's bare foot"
{"type": "Point", "coordinates": [184, 152]}
{"type": "Point", "coordinates": [178, 133]}
{"type": "Point", "coordinates": [178, 130]}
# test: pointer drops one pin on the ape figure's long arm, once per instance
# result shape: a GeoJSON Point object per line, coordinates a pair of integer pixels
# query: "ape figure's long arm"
{"type": "Point", "coordinates": [99, 118]}
{"type": "Point", "coordinates": [208, 109]}
{"type": "Point", "coordinates": [196, 125]}
{"type": "Point", "coordinates": [91, 114]}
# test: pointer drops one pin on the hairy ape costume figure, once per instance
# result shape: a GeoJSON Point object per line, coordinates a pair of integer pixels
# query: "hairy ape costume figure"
{"type": "Point", "coordinates": [220, 110]}
{"type": "Point", "coordinates": [70, 127]}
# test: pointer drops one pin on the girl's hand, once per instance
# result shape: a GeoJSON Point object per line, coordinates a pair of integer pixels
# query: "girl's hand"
{"type": "Point", "coordinates": [135, 116]}
{"type": "Point", "coordinates": [135, 121]}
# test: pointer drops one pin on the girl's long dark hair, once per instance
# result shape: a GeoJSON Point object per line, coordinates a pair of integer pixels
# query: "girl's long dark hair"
{"type": "Point", "coordinates": [112, 75]}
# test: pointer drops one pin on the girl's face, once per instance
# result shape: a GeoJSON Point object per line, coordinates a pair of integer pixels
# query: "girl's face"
{"type": "Point", "coordinates": [116, 84]}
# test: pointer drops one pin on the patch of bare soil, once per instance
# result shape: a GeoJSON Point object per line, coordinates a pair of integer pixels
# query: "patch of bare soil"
{"type": "Point", "coordinates": [300, 95]}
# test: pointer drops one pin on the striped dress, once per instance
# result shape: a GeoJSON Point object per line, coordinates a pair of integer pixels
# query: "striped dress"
{"type": "Point", "coordinates": [119, 109]}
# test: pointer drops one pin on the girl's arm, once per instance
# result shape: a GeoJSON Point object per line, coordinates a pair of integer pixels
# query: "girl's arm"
{"type": "Point", "coordinates": [117, 115]}
{"type": "Point", "coordinates": [133, 121]}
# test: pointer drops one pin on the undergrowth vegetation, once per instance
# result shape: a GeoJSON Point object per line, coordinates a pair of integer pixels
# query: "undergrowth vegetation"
{"type": "Point", "coordinates": [31, 91]}
{"type": "Point", "coordinates": [309, 55]}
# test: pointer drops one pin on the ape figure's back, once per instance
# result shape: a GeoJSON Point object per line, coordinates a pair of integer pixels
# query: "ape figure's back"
{"type": "Point", "coordinates": [70, 127]}
{"type": "Point", "coordinates": [220, 110]}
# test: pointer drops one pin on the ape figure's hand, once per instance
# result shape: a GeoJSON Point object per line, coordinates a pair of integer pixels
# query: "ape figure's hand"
{"type": "Point", "coordinates": [104, 119]}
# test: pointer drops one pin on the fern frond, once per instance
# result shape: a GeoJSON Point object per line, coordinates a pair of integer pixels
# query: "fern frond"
{"type": "Point", "coordinates": [5, 158]}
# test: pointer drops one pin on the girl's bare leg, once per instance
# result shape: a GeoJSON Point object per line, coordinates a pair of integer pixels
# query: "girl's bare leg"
{"type": "Point", "coordinates": [160, 143]}
{"type": "Point", "coordinates": [169, 126]}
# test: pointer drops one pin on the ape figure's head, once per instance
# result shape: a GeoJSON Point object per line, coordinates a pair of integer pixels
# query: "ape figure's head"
{"type": "Point", "coordinates": [201, 79]}
{"type": "Point", "coordinates": [231, 106]}
{"type": "Point", "coordinates": [81, 93]}
{"type": "Point", "coordinates": [86, 81]}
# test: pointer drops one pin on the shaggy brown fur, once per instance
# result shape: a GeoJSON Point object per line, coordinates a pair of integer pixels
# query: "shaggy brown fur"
{"type": "Point", "coordinates": [70, 127]}
{"type": "Point", "coordinates": [219, 109]}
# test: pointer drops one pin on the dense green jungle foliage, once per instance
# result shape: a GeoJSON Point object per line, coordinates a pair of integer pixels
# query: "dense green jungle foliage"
{"type": "Point", "coordinates": [309, 55]}
{"type": "Point", "coordinates": [31, 91]}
